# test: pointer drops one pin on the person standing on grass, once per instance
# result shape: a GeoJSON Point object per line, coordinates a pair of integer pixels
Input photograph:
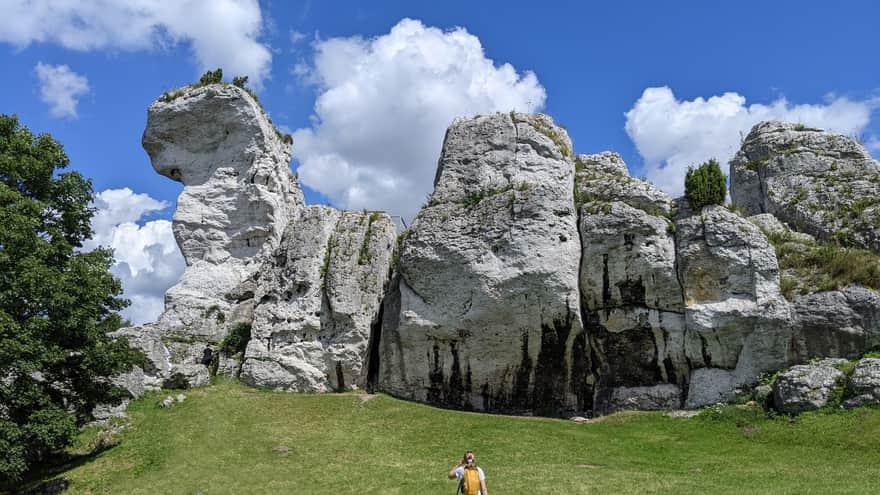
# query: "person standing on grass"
{"type": "Point", "coordinates": [472, 481]}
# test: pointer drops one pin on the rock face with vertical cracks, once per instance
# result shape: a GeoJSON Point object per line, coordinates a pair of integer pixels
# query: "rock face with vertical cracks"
{"type": "Point", "coordinates": [238, 197]}
{"type": "Point", "coordinates": [821, 183]}
{"type": "Point", "coordinates": [309, 281]}
{"type": "Point", "coordinates": [738, 325]}
{"type": "Point", "coordinates": [316, 299]}
{"type": "Point", "coordinates": [631, 297]}
{"type": "Point", "coordinates": [484, 311]}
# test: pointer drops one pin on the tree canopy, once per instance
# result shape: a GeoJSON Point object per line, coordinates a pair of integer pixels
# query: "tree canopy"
{"type": "Point", "coordinates": [57, 303]}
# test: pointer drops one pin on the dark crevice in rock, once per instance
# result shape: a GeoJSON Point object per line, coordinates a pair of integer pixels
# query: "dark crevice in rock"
{"type": "Point", "coordinates": [523, 376]}
{"type": "Point", "coordinates": [374, 350]}
{"type": "Point", "coordinates": [551, 370]}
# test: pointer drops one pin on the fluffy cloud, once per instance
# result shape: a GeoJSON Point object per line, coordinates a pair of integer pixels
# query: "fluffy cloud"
{"type": "Point", "coordinates": [221, 33]}
{"type": "Point", "coordinates": [384, 104]}
{"type": "Point", "coordinates": [148, 260]}
{"type": "Point", "coordinates": [672, 134]}
{"type": "Point", "coordinates": [60, 88]}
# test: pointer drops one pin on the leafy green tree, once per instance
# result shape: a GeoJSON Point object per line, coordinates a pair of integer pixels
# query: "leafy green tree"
{"type": "Point", "coordinates": [240, 81]}
{"type": "Point", "coordinates": [705, 185]}
{"type": "Point", "coordinates": [57, 303]}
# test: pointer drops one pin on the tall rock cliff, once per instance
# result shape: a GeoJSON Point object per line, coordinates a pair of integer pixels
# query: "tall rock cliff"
{"type": "Point", "coordinates": [484, 313]}
{"type": "Point", "coordinates": [307, 281]}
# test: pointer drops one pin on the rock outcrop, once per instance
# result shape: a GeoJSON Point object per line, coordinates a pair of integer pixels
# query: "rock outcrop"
{"type": "Point", "coordinates": [239, 195]}
{"type": "Point", "coordinates": [631, 297]}
{"type": "Point", "coordinates": [308, 281]}
{"type": "Point", "coordinates": [484, 313]}
{"type": "Point", "coordinates": [821, 183]}
{"type": "Point", "coordinates": [318, 300]}
{"type": "Point", "coordinates": [533, 281]}
{"type": "Point", "coordinates": [738, 324]}
{"type": "Point", "coordinates": [864, 385]}
{"type": "Point", "coordinates": [807, 387]}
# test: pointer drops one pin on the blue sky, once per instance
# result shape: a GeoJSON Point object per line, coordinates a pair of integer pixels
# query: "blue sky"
{"type": "Point", "coordinates": [593, 63]}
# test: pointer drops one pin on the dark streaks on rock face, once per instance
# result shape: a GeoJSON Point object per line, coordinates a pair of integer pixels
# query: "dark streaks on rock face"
{"type": "Point", "coordinates": [435, 377]}
{"type": "Point", "coordinates": [340, 377]}
{"type": "Point", "coordinates": [581, 373]}
{"type": "Point", "coordinates": [454, 391]}
{"type": "Point", "coordinates": [551, 371]}
{"type": "Point", "coordinates": [632, 292]}
{"type": "Point", "coordinates": [523, 377]}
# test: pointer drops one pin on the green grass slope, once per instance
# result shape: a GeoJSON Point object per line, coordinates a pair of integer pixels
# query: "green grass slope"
{"type": "Point", "coordinates": [228, 438]}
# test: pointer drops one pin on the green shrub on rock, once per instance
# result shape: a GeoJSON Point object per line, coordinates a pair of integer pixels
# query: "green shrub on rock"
{"type": "Point", "coordinates": [237, 340]}
{"type": "Point", "coordinates": [705, 185]}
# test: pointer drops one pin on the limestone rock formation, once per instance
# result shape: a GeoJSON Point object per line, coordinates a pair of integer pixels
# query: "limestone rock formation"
{"type": "Point", "coordinates": [631, 297]}
{"type": "Point", "coordinates": [239, 194]}
{"type": "Point", "coordinates": [864, 385]}
{"type": "Point", "coordinates": [533, 281]}
{"type": "Point", "coordinates": [484, 313]}
{"type": "Point", "coordinates": [806, 387]}
{"type": "Point", "coordinates": [841, 323]}
{"type": "Point", "coordinates": [307, 280]}
{"type": "Point", "coordinates": [738, 324]}
{"type": "Point", "coordinates": [821, 183]}
{"type": "Point", "coordinates": [604, 178]}
{"type": "Point", "coordinates": [317, 301]}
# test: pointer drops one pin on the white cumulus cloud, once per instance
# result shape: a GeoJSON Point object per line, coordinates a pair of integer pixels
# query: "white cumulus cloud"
{"type": "Point", "coordinates": [384, 104]}
{"type": "Point", "coordinates": [672, 134]}
{"type": "Point", "coordinates": [60, 88]}
{"type": "Point", "coordinates": [148, 260]}
{"type": "Point", "coordinates": [221, 33]}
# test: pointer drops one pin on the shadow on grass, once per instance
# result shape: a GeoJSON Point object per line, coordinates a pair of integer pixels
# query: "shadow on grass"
{"type": "Point", "coordinates": [43, 481]}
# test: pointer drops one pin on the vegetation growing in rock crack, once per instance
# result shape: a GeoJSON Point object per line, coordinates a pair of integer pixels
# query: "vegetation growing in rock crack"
{"type": "Point", "coordinates": [57, 304]}
{"type": "Point", "coordinates": [237, 340]}
{"type": "Point", "coordinates": [705, 185]}
{"type": "Point", "coordinates": [364, 257]}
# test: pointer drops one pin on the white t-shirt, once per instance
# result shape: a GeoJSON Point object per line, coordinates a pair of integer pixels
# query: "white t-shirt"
{"type": "Point", "coordinates": [459, 472]}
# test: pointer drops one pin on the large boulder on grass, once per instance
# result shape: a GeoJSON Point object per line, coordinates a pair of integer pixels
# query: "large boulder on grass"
{"type": "Point", "coordinates": [183, 376]}
{"type": "Point", "coordinates": [864, 385]}
{"type": "Point", "coordinates": [807, 387]}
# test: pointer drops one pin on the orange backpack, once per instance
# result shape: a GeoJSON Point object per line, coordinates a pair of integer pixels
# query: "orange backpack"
{"type": "Point", "coordinates": [470, 482]}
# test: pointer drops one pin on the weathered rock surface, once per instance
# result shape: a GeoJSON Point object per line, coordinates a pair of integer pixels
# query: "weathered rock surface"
{"type": "Point", "coordinates": [317, 300]}
{"type": "Point", "coordinates": [133, 383]}
{"type": "Point", "coordinates": [821, 183]}
{"type": "Point", "coordinates": [864, 385]}
{"type": "Point", "coordinates": [534, 281]}
{"type": "Point", "coordinates": [842, 323]}
{"type": "Point", "coordinates": [738, 324]}
{"type": "Point", "coordinates": [806, 387]}
{"type": "Point", "coordinates": [604, 178]}
{"type": "Point", "coordinates": [484, 313]}
{"type": "Point", "coordinates": [185, 376]}
{"type": "Point", "coordinates": [652, 398]}
{"type": "Point", "coordinates": [631, 301]}
{"type": "Point", "coordinates": [239, 194]}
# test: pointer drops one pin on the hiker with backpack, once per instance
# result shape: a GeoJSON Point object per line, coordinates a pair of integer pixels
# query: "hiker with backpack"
{"type": "Point", "coordinates": [471, 480]}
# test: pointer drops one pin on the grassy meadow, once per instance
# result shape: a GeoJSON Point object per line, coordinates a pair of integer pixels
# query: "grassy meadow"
{"type": "Point", "coordinates": [228, 438]}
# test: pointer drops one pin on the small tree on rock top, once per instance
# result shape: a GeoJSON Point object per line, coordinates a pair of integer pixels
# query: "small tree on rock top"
{"type": "Point", "coordinates": [705, 185]}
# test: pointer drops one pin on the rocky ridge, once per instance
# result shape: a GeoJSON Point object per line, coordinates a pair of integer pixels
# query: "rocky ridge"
{"type": "Point", "coordinates": [533, 281]}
